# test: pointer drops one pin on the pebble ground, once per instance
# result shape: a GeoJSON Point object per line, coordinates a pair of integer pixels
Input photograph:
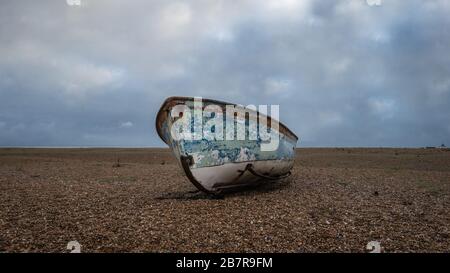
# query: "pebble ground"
{"type": "Point", "coordinates": [139, 200]}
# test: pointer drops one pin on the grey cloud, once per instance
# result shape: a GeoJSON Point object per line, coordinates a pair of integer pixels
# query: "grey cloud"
{"type": "Point", "coordinates": [344, 73]}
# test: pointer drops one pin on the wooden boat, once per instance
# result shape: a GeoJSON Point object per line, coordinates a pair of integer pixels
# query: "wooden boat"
{"type": "Point", "coordinates": [214, 165]}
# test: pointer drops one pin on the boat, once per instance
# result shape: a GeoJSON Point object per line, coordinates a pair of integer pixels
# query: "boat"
{"type": "Point", "coordinates": [215, 164]}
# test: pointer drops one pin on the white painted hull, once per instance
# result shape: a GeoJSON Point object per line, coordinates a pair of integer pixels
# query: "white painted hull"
{"type": "Point", "coordinates": [229, 175]}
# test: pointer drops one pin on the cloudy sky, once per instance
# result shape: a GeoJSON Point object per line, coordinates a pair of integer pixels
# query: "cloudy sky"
{"type": "Point", "coordinates": [345, 73]}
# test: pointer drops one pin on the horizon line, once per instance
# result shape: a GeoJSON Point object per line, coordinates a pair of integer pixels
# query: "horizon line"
{"type": "Point", "coordinates": [159, 147]}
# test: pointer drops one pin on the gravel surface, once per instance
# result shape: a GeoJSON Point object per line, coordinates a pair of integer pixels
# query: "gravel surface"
{"type": "Point", "coordinates": [139, 200]}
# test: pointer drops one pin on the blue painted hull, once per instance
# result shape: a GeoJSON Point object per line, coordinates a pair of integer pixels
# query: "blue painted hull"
{"type": "Point", "coordinates": [215, 164]}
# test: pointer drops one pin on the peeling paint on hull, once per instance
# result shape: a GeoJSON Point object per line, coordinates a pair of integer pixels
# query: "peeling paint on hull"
{"type": "Point", "coordinates": [214, 165]}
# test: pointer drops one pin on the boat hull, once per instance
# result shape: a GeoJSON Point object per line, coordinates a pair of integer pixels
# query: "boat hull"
{"type": "Point", "coordinates": [230, 175]}
{"type": "Point", "coordinates": [215, 165]}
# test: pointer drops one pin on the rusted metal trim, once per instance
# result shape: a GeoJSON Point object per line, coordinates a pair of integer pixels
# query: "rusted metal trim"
{"type": "Point", "coordinates": [250, 168]}
{"type": "Point", "coordinates": [172, 101]}
{"type": "Point", "coordinates": [186, 161]}
{"type": "Point", "coordinates": [224, 186]}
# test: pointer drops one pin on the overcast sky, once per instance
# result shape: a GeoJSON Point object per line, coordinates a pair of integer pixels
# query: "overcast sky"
{"type": "Point", "coordinates": [345, 73]}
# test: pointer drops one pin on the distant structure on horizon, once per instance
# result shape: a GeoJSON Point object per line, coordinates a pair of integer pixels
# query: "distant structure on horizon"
{"type": "Point", "coordinates": [441, 147]}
